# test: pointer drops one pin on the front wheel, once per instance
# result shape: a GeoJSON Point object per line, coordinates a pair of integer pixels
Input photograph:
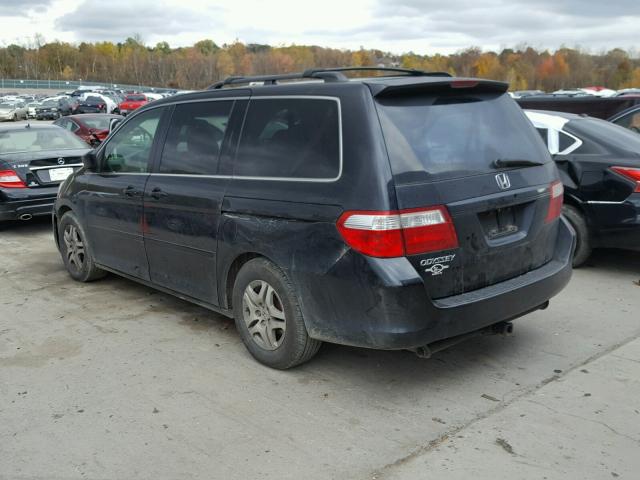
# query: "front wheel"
{"type": "Point", "coordinates": [583, 239]}
{"type": "Point", "coordinates": [76, 250]}
{"type": "Point", "coordinates": [268, 316]}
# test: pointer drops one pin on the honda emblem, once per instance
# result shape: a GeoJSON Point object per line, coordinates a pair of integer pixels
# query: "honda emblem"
{"type": "Point", "coordinates": [503, 181]}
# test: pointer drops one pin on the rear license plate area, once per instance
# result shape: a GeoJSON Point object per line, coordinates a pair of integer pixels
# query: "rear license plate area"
{"type": "Point", "coordinates": [499, 223]}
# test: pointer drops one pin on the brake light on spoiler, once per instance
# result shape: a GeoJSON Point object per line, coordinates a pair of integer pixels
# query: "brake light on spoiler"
{"type": "Point", "coordinates": [398, 233]}
{"type": "Point", "coordinates": [630, 173]}
{"type": "Point", "coordinates": [10, 179]}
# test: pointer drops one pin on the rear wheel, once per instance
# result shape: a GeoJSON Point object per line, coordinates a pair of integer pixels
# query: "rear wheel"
{"type": "Point", "coordinates": [15, 117]}
{"type": "Point", "coordinates": [76, 251]}
{"type": "Point", "coordinates": [268, 317]}
{"type": "Point", "coordinates": [583, 240]}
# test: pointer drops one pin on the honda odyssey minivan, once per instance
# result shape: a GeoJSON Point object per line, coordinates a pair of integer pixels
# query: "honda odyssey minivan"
{"type": "Point", "coordinates": [403, 211]}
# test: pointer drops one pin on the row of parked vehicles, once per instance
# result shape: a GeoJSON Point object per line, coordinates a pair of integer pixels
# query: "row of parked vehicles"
{"type": "Point", "coordinates": [405, 211]}
{"type": "Point", "coordinates": [78, 102]}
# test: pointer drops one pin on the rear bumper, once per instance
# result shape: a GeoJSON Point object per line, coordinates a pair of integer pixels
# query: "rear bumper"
{"type": "Point", "coordinates": [398, 314]}
{"type": "Point", "coordinates": [15, 203]}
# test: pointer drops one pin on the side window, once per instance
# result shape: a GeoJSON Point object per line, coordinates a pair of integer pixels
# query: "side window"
{"type": "Point", "coordinates": [630, 121]}
{"type": "Point", "coordinates": [290, 138]}
{"type": "Point", "coordinates": [72, 126]}
{"type": "Point", "coordinates": [129, 149]}
{"type": "Point", "coordinates": [544, 133]}
{"type": "Point", "coordinates": [565, 141]}
{"type": "Point", "coordinates": [195, 138]}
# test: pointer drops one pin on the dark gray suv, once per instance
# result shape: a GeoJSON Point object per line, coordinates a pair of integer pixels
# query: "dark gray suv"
{"type": "Point", "coordinates": [405, 211]}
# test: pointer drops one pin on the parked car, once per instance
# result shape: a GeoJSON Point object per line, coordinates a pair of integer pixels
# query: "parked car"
{"type": "Point", "coordinates": [31, 109]}
{"type": "Point", "coordinates": [34, 159]}
{"type": "Point", "coordinates": [67, 105]}
{"type": "Point", "coordinates": [527, 93]}
{"type": "Point", "coordinates": [91, 127]}
{"type": "Point", "coordinates": [48, 110]}
{"type": "Point", "coordinates": [400, 212]}
{"type": "Point", "coordinates": [600, 168]}
{"type": "Point", "coordinates": [92, 104]}
{"type": "Point", "coordinates": [629, 118]}
{"type": "Point", "coordinates": [591, 105]}
{"type": "Point", "coordinates": [13, 111]}
{"type": "Point", "coordinates": [132, 102]}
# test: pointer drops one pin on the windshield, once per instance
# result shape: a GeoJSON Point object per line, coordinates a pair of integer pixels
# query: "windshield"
{"type": "Point", "coordinates": [455, 135]}
{"type": "Point", "coordinates": [49, 103]}
{"type": "Point", "coordinates": [6, 105]}
{"type": "Point", "coordinates": [93, 100]}
{"type": "Point", "coordinates": [35, 140]}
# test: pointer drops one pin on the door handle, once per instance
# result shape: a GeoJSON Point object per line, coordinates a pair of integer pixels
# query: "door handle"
{"type": "Point", "coordinates": [157, 193]}
{"type": "Point", "coordinates": [132, 191]}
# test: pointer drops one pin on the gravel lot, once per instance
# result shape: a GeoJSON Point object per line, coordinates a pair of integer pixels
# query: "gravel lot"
{"type": "Point", "coordinates": [112, 380]}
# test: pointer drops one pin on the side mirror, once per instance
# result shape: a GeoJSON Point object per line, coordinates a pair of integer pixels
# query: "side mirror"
{"type": "Point", "coordinates": [90, 161]}
{"type": "Point", "coordinates": [113, 124]}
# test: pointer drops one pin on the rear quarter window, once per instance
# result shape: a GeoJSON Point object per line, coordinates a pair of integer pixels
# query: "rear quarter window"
{"type": "Point", "coordinates": [290, 138]}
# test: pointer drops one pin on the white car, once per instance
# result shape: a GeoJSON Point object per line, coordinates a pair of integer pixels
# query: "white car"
{"type": "Point", "coordinates": [31, 109]}
{"type": "Point", "coordinates": [13, 111]}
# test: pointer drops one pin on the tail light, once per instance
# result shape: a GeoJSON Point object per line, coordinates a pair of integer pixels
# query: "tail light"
{"type": "Point", "coordinates": [398, 233]}
{"type": "Point", "coordinates": [630, 173]}
{"type": "Point", "coordinates": [10, 179]}
{"type": "Point", "coordinates": [555, 203]}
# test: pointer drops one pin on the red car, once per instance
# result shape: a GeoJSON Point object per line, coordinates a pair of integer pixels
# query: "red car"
{"type": "Point", "coordinates": [93, 128]}
{"type": "Point", "coordinates": [131, 102]}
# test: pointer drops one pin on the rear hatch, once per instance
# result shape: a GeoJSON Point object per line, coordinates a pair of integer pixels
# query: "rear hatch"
{"type": "Point", "coordinates": [467, 146]}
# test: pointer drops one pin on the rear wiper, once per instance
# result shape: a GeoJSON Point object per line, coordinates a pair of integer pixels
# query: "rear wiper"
{"type": "Point", "coordinates": [515, 162]}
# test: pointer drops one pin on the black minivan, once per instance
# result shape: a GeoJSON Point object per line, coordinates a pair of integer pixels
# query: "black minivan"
{"type": "Point", "coordinates": [395, 212]}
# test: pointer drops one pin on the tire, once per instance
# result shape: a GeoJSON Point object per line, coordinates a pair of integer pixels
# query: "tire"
{"type": "Point", "coordinates": [583, 237]}
{"type": "Point", "coordinates": [270, 321]}
{"type": "Point", "coordinates": [79, 262]}
{"type": "Point", "coordinates": [15, 117]}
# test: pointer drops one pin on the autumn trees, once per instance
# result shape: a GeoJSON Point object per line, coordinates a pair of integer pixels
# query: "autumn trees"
{"type": "Point", "coordinates": [133, 62]}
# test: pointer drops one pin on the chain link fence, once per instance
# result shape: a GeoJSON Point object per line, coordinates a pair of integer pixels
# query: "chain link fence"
{"type": "Point", "coordinates": [68, 85]}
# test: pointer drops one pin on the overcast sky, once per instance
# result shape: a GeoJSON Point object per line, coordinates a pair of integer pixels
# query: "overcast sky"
{"type": "Point", "coordinates": [422, 26]}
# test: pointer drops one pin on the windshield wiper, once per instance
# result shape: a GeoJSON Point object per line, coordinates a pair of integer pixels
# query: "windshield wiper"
{"type": "Point", "coordinates": [515, 162]}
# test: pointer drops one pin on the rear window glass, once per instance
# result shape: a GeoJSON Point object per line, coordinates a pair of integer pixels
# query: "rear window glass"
{"type": "Point", "coordinates": [290, 138]}
{"type": "Point", "coordinates": [604, 134]}
{"type": "Point", "coordinates": [99, 123]}
{"type": "Point", "coordinates": [35, 140]}
{"type": "Point", "coordinates": [135, 98]}
{"type": "Point", "coordinates": [432, 137]}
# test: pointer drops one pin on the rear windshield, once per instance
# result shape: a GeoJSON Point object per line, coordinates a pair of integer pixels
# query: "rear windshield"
{"type": "Point", "coordinates": [135, 98]}
{"type": "Point", "coordinates": [35, 140]}
{"type": "Point", "coordinates": [100, 123]}
{"type": "Point", "coordinates": [432, 137]}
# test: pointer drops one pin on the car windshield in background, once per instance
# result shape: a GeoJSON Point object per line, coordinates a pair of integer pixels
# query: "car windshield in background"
{"type": "Point", "coordinates": [99, 123]}
{"type": "Point", "coordinates": [6, 105]}
{"type": "Point", "coordinates": [34, 140]}
{"type": "Point", "coordinates": [135, 98]}
{"type": "Point", "coordinates": [609, 133]}
{"type": "Point", "coordinates": [49, 103]}
{"type": "Point", "coordinates": [93, 100]}
{"type": "Point", "coordinates": [456, 135]}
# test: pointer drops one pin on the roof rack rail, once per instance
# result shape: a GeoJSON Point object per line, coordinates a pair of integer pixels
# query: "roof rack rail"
{"type": "Point", "coordinates": [326, 74]}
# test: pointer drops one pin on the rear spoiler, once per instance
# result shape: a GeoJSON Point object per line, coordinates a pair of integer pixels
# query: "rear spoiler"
{"type": "Point", "coordinates": [412, 86]}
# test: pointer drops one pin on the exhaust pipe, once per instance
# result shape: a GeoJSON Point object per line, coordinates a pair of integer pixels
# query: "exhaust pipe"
{"type": "Point", "coordinates": [502, 328]}
{"type": "Point", "coordinates": [25, 217]}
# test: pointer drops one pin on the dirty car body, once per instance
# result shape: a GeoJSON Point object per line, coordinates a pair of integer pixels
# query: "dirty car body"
{"type": "Point", "coordinates": [328, 182]}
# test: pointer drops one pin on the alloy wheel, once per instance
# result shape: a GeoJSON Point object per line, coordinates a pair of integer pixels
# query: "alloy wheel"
{"type": "Point", "coordinates": [263, 314]}
{"type": "Point", "coordinates": [74, 247]}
